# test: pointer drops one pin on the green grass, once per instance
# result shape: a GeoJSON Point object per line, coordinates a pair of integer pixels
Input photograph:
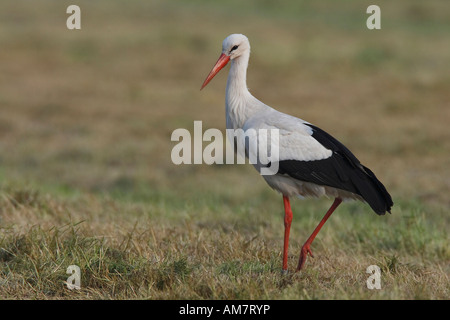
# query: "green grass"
{"type": "Point", "coordinates": [86, 177]}
{"type": "Point", "coordinates": [143, 254]}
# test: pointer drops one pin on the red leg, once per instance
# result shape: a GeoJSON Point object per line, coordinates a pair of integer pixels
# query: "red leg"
{"type": "Point", "coordinates": [306, 247]}
{"type": "Point", "coordinates": [287, 229]}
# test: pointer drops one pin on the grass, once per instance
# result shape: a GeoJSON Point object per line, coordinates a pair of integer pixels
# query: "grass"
{"type": "Point", "coordinates": [139, 254]}
{"type": "Point", "coordinates": [85, 170]}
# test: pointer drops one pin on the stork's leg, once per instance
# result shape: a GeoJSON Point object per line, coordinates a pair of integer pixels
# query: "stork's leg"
{"type": "Point", "coordinates": [287, 229]}
{"type": "Point", "coordinates": [307, 246]}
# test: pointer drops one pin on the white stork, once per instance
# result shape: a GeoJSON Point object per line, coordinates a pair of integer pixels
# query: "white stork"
{"type": "Point", "coordinates": [311, 162]}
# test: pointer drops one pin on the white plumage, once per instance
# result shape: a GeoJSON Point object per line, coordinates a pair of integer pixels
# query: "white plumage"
{"type": "Point", "coordinates": [244, 111]}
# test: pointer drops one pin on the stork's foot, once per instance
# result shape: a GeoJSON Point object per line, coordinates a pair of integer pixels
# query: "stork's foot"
{"type": "Point", "coordinates": [306, 249]}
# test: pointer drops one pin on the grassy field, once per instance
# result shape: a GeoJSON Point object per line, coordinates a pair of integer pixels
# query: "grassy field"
{"type": "Point", "coordinates": [86, 177]}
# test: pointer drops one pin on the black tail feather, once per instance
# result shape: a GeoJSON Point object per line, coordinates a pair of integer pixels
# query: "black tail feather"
{"type": "Point", "coordinates": [372, 191]}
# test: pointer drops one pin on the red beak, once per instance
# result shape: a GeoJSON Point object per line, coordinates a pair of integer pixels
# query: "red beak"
{"type": "Point", "coordinates": [222, 62]}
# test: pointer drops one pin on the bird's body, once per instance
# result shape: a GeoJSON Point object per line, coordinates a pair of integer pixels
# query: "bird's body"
{"type": "Point", "coordinates": [311, 162]}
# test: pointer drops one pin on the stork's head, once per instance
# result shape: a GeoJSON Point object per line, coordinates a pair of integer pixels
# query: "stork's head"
{"type": "Point", "coordinates": [234, 46]}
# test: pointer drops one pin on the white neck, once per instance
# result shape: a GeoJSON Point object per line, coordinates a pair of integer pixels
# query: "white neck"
{"type": "Point", "coordinates": [237, 77]}
{"type": "Point", "coordinates": [240, 104]}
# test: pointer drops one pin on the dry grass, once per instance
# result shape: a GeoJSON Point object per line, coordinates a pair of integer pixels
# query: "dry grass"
{"type": "Point", "coordinates": [85, 125]}
{"type": "Point", "coordinates": [139, 254]}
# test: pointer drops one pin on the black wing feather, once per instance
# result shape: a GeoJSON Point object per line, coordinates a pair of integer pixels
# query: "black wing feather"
{"type": "Point", "coordinates": [342, 170]}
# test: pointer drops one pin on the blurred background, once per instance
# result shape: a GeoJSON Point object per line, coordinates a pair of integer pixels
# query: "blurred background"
{"type": "Point", "coordinates": [91, 111]}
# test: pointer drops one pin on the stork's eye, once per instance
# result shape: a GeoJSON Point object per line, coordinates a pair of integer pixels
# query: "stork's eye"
{"type": "Point", "coordinates": [234, 48]}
